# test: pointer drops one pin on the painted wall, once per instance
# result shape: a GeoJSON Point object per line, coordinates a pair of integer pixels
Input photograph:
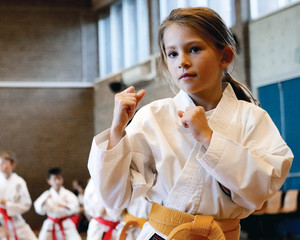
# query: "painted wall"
{"type": "Point", "coordinates": [275, 75]}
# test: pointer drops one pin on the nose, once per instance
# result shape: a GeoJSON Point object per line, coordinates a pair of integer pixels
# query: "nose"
{"type": "Point", "coordinates": [184, 61]}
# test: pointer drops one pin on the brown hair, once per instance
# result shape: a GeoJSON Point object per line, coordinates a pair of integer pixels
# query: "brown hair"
{"type": "Point", "coordinates": [6, 155]}
{"type": "Point", "coordinates": [208, 22]}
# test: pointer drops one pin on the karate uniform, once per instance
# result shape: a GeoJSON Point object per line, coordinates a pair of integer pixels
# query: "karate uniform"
{"type": "Point", "coordinates": [14, 191]}
{"type": "Point", "coordinates": [95, 209]}
{"type": "Point", "coordinates": [246, 162]}
{"type": "Point", "coordinates": [48, 204]}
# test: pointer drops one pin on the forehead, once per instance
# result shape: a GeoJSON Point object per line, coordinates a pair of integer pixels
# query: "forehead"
{"type": "Point", "coordinates": [55, 176]}
{"type": "Point", "coordinates": [4, 160]}
{"type": "Point", "coordinates": [176, 34]}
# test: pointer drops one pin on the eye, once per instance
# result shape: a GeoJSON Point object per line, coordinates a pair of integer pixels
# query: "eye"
{"type": "Point", "coordinates": [172, 54]}
{"type": "Point", "coordinates": [195, 49]}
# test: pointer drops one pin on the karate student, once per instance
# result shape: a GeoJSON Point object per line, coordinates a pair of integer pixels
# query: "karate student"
{"type": "Point", "coordinates": [60, 205]}
{"type": "Point", "coordinates": [104, 224]}
{"type": "Point", "coordinates": [14, 201]}
{"type": "Point", "coordinates": [205, 158]}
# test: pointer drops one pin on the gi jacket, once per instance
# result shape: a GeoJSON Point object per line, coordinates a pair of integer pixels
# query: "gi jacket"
{"type": "Point", "coordinates": [49, 204]}
{"type": "Point", "coordinates": [246, 162]}
{"type": "Point", "coordinates": [14, 190]}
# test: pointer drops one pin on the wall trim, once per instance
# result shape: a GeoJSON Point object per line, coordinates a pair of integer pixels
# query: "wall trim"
{"type": "Point", "coordinates": [278, 79]}
{"type": "Point", "coordinates": [28, 84]}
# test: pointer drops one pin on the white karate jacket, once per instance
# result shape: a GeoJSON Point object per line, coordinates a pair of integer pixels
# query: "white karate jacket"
{"type": "Point", "coordinates": [48, 204]}
{"type": "Point", "coordinates": [14, 190]}
{"type": "Point", "coordinates": [158, 157]}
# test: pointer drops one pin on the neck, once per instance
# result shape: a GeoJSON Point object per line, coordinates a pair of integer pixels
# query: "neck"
{"type": "Point", "coordinates": [7, 175]}
{"type": "Point", "coordinates": [57, 189]}
{"type": "Point", "coordinates": [207, 101]}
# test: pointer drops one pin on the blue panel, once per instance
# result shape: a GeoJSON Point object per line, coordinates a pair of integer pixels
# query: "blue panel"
{"type": "Point", "coordinates": [270, 101]}
{"type": "Point", "coordinates": [291, 93]}
{"type": "Point", "coordinates": [269, 97]}
{"type": "Point", "coordinates": [291, 183]}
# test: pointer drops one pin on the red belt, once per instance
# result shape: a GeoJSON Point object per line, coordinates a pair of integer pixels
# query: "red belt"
{"type": "Point", "coordinates": [6, 219]}
{"type": "Point", "coordinates": [59, 222]}
{"type": "Point", "coordinates": [111, 225]}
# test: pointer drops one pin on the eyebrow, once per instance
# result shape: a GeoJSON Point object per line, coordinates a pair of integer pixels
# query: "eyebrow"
{"type": "Point", "coordinates": [171, 47]}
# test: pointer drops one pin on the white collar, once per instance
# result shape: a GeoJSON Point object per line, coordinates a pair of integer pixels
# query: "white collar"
{"type": "Point", "coordinates": [222, 114]}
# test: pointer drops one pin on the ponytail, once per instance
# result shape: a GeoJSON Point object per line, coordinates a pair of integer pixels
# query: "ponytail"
{"type": "Point", "coordinates": [241, 91]}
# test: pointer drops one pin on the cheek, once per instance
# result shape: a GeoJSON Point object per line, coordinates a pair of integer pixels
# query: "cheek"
{"type": "Point", "coordinates": [172, 69]}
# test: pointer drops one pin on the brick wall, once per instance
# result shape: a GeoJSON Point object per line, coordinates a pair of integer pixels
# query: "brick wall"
{"type": "Point", "coordinates": [47, 44]}
{"type": "Point", "coordinates": [44, 41]}
{"type": "Point", "coordinates": [45, 128]}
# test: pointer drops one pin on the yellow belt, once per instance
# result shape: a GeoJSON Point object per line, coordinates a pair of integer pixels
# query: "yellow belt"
{"type": "Point", "coordinates": [180, 225]}
{"type": "Point", "coordinates": [133, 221]}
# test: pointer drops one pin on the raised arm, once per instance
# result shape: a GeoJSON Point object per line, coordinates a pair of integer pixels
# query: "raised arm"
{"type": "Point", "coordinates": [126, 103]}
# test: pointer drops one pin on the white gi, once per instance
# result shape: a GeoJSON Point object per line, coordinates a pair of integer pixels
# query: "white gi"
{"type": "Point", "coordinates": [95, 209]}
{"type": "Point", "coordinates": [14, 190]}
{"type": "Point", "coordinates": [48, 203]}
{"type": "Point", "coordinates": [159, 157]}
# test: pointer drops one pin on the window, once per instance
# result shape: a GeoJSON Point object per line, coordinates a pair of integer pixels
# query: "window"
{"type": "Point", "coordinates": [223, 7]}
{"type": "Point", "coordinates": [104, 45]}
{"type": "Point", "coordinates": [116, 37]}
{"type": "Point", "coordinates": [123, 36]}
{"type": "Point", "coordinates": [260, 8]}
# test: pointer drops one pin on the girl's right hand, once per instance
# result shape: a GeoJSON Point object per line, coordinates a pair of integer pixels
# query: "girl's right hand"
{"type": "Point", "coordinates": [126, 103]}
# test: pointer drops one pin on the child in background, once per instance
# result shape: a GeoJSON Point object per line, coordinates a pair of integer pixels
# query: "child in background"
{"type": "Point", "coordinates": [136, 215]}
{"type": "Point", "coordinates": [60, 205]}
{"type": "Point", "coordinates": [205, 158]}
{"type": "Point", "coordinates": [78, 190]}
{"type": "Point", "coordinates": [104, 224]}
{"type": "Point", "coordinates": [110, 224]}
{"type": "Point", "coordinates": [14, 201]}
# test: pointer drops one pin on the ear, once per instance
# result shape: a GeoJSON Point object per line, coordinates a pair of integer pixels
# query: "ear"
{"type": "Point", "coordinates": [13, 166]}
{"type": "Point", "coordinates": [227, 56]}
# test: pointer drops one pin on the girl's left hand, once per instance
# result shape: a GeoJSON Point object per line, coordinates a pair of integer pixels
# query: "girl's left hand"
{"type": "Point", "coordinates": [194, 118]}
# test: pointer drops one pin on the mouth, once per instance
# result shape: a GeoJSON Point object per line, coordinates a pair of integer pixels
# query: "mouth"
{"type": "Point", "coordinates": [187, 75]}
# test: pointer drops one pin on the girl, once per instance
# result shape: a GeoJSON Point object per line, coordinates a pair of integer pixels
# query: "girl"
{"type": "Point", "coordinates": [205, 158]}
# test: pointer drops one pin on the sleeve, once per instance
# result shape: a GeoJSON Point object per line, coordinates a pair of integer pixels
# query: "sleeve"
{"type": "Point", "coordinates": [40, 204]}
{"type": "Point", "coordinates": [91, 206]}
{"type": "Point", "coordinates": [253, 169]}
{"type": "Point", "coordinates": [94, 207]}
{"type": "Point", "coordinates": [45, 204]}
{"type": "Point", "coordinates": [119, 174]}
{"type": "Point", "coordinates": [22, 201]}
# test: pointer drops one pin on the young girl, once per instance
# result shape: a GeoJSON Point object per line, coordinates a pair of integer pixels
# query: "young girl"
{"type": "Point", "coordinates": [205, 158]}
{"type": "Point", "coordinates": [14, 201]}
